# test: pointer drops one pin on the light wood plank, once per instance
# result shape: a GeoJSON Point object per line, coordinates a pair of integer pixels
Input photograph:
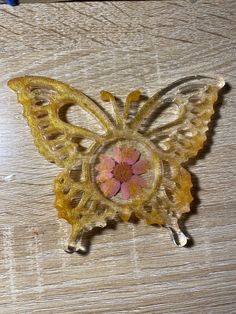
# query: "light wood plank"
{"type": "Point", "coordinates": [118, 46]}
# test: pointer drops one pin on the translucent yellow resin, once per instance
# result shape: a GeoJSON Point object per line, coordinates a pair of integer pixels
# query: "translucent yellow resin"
{"type": "Point", "coordinates": [167, 129]}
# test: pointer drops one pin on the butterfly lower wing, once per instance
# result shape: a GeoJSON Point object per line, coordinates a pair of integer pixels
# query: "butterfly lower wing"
{"type": "Point", "coordinates": [173, 197]}
{"type": "Point", "coordinates": [76, 204]}
{"type": "Point", "coordinates": [170, 202]}
{"type": "Point", "coordinates": [42, 99]}
{"type": "Point", "coordinates": [189, 106]}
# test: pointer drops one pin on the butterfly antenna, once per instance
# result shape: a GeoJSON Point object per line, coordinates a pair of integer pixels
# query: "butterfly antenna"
{"type": "Point", "coordinates": [107, 96]}
{"type": "Point", "coordinates": [132, 97]}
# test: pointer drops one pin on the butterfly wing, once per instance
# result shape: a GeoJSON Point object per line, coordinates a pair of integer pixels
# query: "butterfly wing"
{"type": "Point", "coordinates": [43, 100]}
{"type": "Point", "coordinates": [176, 120]}
{"type": "Point", "coordinates": [188, 105]}
{"type": "Point", "coordinates": [76, 204]}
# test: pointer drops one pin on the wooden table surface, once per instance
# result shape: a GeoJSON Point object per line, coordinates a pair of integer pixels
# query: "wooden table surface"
{"type": "Point", "coordinates": [131, 268]}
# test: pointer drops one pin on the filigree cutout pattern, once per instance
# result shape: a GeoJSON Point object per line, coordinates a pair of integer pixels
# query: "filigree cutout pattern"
{"type": "Point", "coordinates": [131, 167]}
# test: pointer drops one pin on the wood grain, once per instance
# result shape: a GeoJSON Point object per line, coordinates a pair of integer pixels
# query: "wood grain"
{"type": "Point", "coordinates": [36, 1]}
{"type": "Point", "coordinates": [116, 46]}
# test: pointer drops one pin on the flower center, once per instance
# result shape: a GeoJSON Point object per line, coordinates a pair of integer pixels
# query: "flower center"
{"type": "Point", "coordinates": [122, 172]}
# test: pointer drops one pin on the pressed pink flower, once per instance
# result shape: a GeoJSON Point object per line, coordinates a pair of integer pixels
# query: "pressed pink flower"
{"type": "Point", "coordinates": [110, 187]}
{"type": "Point", "coordinates": [122, 172]}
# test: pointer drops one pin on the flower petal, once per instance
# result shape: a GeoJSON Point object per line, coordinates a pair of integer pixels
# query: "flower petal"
{"type": "Point", "coordinates": [135, 185]}
{"type": "Point", "coordinates": [117, 154]}
{"type": "Point", "coordinates": [106, 163]}
{"type": "Point", "coordinates": [129, 155]}
{"type": "Point", "coordinates": [140, 167]}
{"type": "Point", "coordinates": [110, 187]}
{"type": "Point", "coordinates": [103, 176]}
{"type": "Point", "coordinates": [125, 191]}
{"type": "Point", "coordinates": [139, 181]}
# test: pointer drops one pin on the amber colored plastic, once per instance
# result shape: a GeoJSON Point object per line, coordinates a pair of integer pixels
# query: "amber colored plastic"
{"type": "Point", "coordinates": [187, 107]}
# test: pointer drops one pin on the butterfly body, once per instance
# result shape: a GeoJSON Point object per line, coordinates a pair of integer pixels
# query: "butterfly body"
{"type": "Point", "coordinates": [132, 167]}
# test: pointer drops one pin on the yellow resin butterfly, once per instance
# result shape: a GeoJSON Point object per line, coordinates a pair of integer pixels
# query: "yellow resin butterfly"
{"type": "Point", "coordinates": [131, 165]}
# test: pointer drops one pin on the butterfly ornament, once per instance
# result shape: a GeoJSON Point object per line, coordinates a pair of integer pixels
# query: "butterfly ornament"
{"type": "Point", "coordinates": [133, 168]}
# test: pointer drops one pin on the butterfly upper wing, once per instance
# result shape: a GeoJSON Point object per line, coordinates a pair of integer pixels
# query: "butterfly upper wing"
{"type": "Point", "coordinates": [42, 99]}
{"type": "Point", "coordinates": [190, 102]}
